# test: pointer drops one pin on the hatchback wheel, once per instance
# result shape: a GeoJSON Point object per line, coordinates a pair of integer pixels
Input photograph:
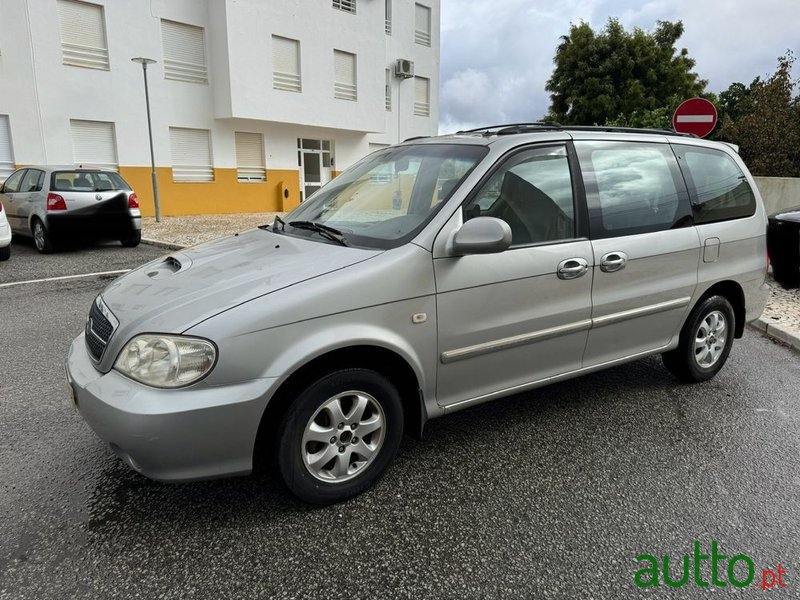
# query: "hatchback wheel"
{"type": "Point", "coordinates": [133, 240]}
{"type": "Point", "coordinates": [5, 253]}
{"type": "Point", "coordinates": [41, 237]}
{"type": "Point", "coordinates": [705, 341]}
{"type": "Point", "coordinates": [339, 435]}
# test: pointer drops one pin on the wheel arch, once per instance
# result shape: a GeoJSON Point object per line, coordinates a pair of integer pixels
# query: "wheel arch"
{"type": "Point", "coordinates": [735, 295]}
{"type": "Point", "coordinates": [385, 361]}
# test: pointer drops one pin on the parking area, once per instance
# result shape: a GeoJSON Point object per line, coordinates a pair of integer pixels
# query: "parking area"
{"type": "Point", "coordinates": [550, 494]}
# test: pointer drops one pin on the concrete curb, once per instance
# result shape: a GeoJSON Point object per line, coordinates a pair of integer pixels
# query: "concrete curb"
{"type": "Point", "coordinates": [778, 332]}
{"type": "Point", "coordinates": [161, 244]}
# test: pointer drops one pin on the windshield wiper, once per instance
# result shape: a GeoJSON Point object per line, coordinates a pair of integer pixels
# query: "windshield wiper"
{"type": "Point", "coordinates": [330, 233]}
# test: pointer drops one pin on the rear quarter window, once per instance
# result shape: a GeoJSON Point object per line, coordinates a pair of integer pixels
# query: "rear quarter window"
{"type": "Point", "coordinates": [718, 188]}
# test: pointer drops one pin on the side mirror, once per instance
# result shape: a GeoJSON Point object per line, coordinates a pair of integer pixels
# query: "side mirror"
{"type": "Point", "coordinates": [482, 235]}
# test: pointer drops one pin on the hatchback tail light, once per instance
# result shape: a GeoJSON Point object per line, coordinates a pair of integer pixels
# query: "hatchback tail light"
{"type": "Point", "coordinates": [1, 207]}
{"type": "Point", "coordinates": [133, 201]}
{"type": "Point", "coordinates": [55, 202]}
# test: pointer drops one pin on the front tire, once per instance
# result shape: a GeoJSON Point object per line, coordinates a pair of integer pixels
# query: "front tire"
{"type": "Point", "coordinates": [339, 435]}
{"type": "Point", "coordinates": [41, 237]}
{"type": "Point", "coordinates": [5, 253]}
{"type": "Point", "coordinates": [705, 341]}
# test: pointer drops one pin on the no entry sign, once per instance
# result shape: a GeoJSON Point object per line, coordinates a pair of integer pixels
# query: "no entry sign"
{"type": "Point", "coordinates": [695, 115]}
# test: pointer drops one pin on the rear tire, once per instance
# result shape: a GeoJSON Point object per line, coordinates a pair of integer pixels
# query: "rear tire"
{"type": "Point", "coordinates": [705, 341]}
{"type": "Point", "coordinates": [339, 435]}
{"type": "Point", "coordinates": [41, 237]}
{"type": "Point", "coordinates": [5, 253]}
{"type": "Point", "coordinates": [133, 240]}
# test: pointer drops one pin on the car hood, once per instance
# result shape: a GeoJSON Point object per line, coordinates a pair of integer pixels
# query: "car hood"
{"type": "Point", "coordinates": [184, 288]}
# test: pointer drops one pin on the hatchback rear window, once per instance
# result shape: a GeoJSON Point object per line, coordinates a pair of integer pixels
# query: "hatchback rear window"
{"type": "Point", "coordinates": [87, 181]}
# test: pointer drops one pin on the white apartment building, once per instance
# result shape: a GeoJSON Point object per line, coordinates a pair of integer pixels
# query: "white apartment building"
{"type": "Point", "coordinates": [255, 103]}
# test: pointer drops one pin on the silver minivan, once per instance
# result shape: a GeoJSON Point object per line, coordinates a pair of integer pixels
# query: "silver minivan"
{"type": "Point", "coordinates": [429, 277]}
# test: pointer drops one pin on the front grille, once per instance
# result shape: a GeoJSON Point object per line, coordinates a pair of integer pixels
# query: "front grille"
{"type": "Point", "coordinates": [98, 331]}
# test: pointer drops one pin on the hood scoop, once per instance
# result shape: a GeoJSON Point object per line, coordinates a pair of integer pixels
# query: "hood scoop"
{"type": "Point", "coordinates": [171, 265]}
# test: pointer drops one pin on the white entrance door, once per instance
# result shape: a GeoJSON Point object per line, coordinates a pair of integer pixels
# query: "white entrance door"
{"type": "Point", "coordinates": [314, 159]}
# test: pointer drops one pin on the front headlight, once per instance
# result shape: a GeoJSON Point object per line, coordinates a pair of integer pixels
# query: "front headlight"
{"type": "Point", "coordinates": [166, 361]}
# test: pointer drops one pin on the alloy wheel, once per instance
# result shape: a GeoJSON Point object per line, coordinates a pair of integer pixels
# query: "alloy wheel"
{"type": "Point", "coordinates": [710, 338]}
{"type": "Point", "coordinates": [343, 437]}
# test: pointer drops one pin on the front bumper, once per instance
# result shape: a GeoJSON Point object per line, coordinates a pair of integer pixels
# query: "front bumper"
{"type": "Point", "coordinates": [198, 432]}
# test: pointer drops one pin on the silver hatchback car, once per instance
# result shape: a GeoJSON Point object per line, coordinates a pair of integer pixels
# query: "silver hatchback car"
{"type": "Point", "coordinates": [429, 277]}
{"type": "Point", "coordinates": [55, 204]}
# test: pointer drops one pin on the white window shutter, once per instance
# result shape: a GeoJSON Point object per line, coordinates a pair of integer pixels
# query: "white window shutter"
{"type": "Point", "coordinates": [344, 75]}
{"type": "Point", "coordinates": [286, 64]}
{"type": "Point", "coordinates": [345, 5]}
{"type": "Point", "coordinates": [422, 25]}
{"type": "Point", "coordinates": [250, 157]}
{"type": "Point", "coordinates": [94, 144]}
{"type": "Point", "coordinates": [184, 52]}
{"type": "Point", "coordinates": [6, 150]}
{"type": "Point", "coordinates": [83, 34]}
{"type": "Point", "coordinates": [422, 96]}
{"type": "Point", "coordinates": [191, 154]}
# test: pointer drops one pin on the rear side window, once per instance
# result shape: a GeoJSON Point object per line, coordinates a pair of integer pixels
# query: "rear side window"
{"type": "Point", "coordinates": [87, 181]}
{"type": "Point", "coordinates": [632, 188]}
{"type": "Point", "coordinates": [718, 188]}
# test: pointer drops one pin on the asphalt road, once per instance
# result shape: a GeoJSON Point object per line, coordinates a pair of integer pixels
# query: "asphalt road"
{"type": "Point", "coordinates": [551, 494]}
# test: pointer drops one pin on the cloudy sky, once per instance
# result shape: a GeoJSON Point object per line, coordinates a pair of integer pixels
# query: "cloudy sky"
{"type": "Point", "coordinates": [498, 54]}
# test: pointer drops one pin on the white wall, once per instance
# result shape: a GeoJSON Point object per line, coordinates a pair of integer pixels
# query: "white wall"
{"type": "Point", "coordinates": [41, 94]}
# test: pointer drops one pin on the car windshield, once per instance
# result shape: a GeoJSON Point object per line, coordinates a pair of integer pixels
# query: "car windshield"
{"type": "Point", "coordinates": [87, 181]}
{"type": "Point", "coordinates": [386, 198]}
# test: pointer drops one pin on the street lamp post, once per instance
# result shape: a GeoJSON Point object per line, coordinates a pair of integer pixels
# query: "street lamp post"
{"type": "Point", "coordinates": [144, 62]}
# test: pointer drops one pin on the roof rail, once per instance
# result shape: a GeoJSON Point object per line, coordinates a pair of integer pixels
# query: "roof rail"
{"type": "Point", "coordinates": [627, 130]}
{"type": "Point", "coordinates": [507, 128]}
{"type": "Point", "coordinates": [513, 128]}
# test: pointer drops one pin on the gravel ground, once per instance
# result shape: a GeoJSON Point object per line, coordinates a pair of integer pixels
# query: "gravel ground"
{"type": "Point", "coordinates": [783, 307]}
{"type": "Point", "coordinates": [188, 231]}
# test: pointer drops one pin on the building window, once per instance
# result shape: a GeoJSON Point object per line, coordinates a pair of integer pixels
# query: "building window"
{"type": "Point", "coordinates": [344, 75]}
{"type": "Point", "coordinates": [184, 52]}
{"type": "Point", "coordinates": [422, 25]}
{"type": "Point", "coordinates": [388, 89]}
{"type": "Point", "coordinates": [94, 144]}
{"type": "Point", "coordinates": [422, 96]}
{"type": "Point", "coordinates": [83, 34]}
{"type": "Point", "coordinates": [191, 154]}
{"type": "Point", "coordinates": [250, 157]}
{"type": "Point", "coordinates": [286, 64]}
{"type": "Point", "coordinates": [345, 5]}
{"type": "Point", "coordinates": [387, 11]}
{"type": "Point", "coordinates": [6, 149]}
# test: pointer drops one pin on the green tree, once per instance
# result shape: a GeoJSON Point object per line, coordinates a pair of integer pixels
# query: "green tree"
{"type": "Point", "coordinates": [615, 75]}
{"type": "Point", "coordinates": [764, 120]}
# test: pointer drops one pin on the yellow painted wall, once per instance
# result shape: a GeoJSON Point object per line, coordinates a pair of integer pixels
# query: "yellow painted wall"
{"type": "Point", "coordinates": [223, 195]}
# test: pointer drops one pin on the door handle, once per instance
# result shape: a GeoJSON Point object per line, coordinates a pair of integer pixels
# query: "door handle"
{"type": "Point", "coordinates": [613, 261]}
{"type": "Point", "coordinates": [572, 268]}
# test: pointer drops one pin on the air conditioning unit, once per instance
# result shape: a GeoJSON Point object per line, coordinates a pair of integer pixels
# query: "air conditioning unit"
{"type": "Point", "coordinates": [404, 68]}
